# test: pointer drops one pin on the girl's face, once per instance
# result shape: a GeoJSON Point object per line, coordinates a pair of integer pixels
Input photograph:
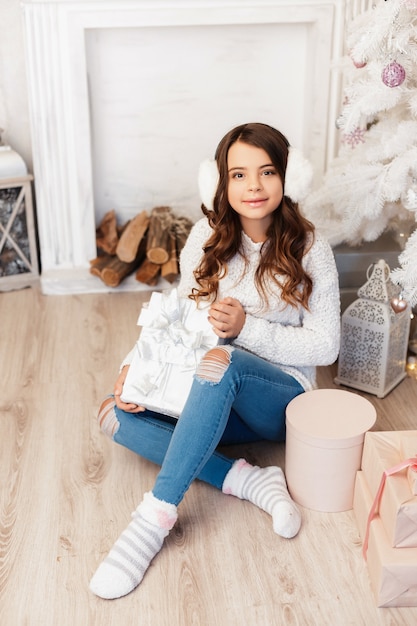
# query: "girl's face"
{"type": "Point", "coordinates": [254, 188]}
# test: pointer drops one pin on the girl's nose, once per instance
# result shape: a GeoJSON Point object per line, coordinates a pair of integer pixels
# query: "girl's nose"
{"type": "Point", "coordinates": [254, 185]}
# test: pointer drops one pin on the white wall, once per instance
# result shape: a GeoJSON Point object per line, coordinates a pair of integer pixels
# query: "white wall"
{"type": "Point", "coordinates": [14, 114]}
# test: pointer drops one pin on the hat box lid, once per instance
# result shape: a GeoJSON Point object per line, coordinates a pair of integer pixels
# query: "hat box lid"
{"type": "Point", "coordinates": [330, 418]}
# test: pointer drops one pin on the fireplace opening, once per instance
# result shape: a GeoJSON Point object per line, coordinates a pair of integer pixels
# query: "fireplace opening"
{"type": "Point", "coordinates": [162, 97]}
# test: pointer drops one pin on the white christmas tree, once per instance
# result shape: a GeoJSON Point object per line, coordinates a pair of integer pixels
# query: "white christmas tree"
{"type": "Point", "coordinates": [372, 184]}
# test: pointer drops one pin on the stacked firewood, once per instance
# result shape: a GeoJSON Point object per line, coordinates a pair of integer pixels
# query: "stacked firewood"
{"type": "Point", "coordinates": [149, 244]}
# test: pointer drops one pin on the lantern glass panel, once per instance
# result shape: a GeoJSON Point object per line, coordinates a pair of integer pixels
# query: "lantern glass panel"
{"type": "Point", "coordinates": [15, 256]}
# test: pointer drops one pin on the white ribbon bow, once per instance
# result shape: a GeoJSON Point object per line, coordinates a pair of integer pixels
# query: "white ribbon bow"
{"type": "Point", "coordinates": [167, 340]}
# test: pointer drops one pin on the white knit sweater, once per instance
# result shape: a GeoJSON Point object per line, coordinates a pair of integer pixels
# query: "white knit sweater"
{"type": "Point", "coordinates": [294, 339]}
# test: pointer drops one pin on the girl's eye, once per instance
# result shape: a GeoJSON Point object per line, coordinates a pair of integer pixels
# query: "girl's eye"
{"type": "Point", "coordinates": [268, 172]}
{"type": "Point", "coordinates": [237, 175]}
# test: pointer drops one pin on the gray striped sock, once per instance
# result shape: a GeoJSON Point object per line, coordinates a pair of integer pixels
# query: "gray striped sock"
{"type": "Point", "coordinates": [266, 488]}
{"type": "Point", "coordinates": [126, 564]}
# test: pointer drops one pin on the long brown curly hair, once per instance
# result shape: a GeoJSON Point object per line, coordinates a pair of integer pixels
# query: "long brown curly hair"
{"type": "Point", "coordinates": [289, 236]}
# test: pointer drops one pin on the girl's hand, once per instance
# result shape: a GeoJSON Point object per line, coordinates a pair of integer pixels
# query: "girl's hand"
{"type": "Point", "coordinates": [227, 317]}
{"type": "Point", "coordinates": [118, 388]}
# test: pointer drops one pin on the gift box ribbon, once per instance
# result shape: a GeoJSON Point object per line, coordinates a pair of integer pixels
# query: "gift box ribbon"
{"type": "Point", "coordinates": [171, 343]}
{"type": "Point", "coordinates": [166, 339]}
{"type": "Point", "coordinates": [412, 462]}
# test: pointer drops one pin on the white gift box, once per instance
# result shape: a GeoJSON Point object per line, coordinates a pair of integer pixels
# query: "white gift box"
{"type": "Point", "coordinates": [174, 337]}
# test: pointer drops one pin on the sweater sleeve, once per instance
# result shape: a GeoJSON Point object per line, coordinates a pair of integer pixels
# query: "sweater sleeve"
{"type": "Point", "coordinates": [315, 340]}
{"type": "Point", "coordinates": [191, 255]}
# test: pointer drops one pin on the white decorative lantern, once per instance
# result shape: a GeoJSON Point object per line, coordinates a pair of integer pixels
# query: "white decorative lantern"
{"type": "Point", "coordinates": [374, 341]}
{"type": "Point", "coordinates": [18, 246]}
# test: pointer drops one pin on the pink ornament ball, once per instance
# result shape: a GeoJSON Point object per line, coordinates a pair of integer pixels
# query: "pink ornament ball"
{"type": "Point", "coordinates": [393, 75]}
{"type": "Point", "coordinates": [359, 64]}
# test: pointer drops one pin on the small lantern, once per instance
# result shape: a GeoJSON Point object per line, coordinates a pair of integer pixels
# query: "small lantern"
{"type": "Point", "coordinates": [374, 341]}
{"type": "Point", "coordinates": [18, 247]}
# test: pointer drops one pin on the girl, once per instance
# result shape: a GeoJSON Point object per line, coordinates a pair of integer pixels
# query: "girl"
{"type": "Point", "coordinates": [273, 288]}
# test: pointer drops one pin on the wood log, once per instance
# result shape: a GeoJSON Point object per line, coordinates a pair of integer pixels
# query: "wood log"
{"type": "Point", "coordinates": [160, 226]}
{"type": "Point", "coordinates": [116, 270]}
{"type": "Point", "coordinates": [148, 273]}
{"type": "Point", "coordinates": [99, 263]}
{"type": "Point", "coordinates": [170, 269]}
{"type": "Point", "coordinates": [129, 242]}
{"type": "Point", "coordinates": [107, 235]}
{"type": "Point", "coordinates": [113, 274]}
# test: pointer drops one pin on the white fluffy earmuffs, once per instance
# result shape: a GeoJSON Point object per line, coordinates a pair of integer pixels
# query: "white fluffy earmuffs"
{"type": "Point", "coordinates": [298, 178]}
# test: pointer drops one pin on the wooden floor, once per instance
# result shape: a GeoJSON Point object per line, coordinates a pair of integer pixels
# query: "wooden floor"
{"type": "Point", "coordinates": [67, 491]}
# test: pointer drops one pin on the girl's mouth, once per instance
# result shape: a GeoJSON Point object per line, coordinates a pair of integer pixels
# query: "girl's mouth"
{"type": "Point", "coordinates": [255, 202]}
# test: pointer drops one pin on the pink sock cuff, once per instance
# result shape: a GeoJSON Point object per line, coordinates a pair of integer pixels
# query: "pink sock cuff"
{"type": "Point", "coordinates": [230, 485]}
{"type": "Point", "coordinates": [240, 464]}
{"type": "Point", "coordinates": [158, 512]}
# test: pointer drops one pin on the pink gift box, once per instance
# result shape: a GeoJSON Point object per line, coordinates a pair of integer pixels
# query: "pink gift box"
{"type": "Point", "coordinates": [408, 445]}
{"type": "Point", "coordinates": [398, 506]}
{"type": "Point", "coordinates": [392, 571]}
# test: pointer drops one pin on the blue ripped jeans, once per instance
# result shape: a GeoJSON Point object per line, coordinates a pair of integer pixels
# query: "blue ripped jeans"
{"type": "Point", "coordinates": [244, 400]}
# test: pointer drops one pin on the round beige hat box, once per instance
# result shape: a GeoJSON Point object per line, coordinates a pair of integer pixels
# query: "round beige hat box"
{"type": "Point", "coordinates": [325, 434]}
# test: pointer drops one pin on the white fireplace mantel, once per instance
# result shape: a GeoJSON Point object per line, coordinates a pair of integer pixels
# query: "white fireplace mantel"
{"type": "Point", "coordinates": [60, 104]}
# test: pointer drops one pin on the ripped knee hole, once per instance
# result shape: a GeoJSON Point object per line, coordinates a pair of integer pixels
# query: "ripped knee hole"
{"type": "Point", "coordinates": [214, 364]}
{"type": "Point", "coordinates": [107, 418]}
